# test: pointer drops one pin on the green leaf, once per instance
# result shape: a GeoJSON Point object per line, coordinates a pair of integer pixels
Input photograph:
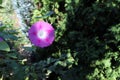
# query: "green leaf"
{"type": "Point", "coordinates": [0, 1]}
{"type": "Point", "coordinates": [1, 7]}
{"type": "Point", "coordinates": [4, 46]}
{"type": "Point", "coordinates": [27, 78]}
{"type": "Point", "coordinates": [48, 14]}
{"type": "Point", "coordinates": [12, 55]}
{"type": "Point", "coordinates": [1, 78]}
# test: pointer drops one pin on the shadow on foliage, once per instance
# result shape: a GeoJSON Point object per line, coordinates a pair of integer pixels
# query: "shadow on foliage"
{"type": "Point", "coordinates": [87, 33]}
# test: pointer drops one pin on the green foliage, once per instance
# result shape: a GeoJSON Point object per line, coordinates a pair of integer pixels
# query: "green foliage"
{"type": "Point", "coordinates": [4, 46]}
{"type": "Point", "coordinates": [0, 1]}
{"type": "Point", "coordinates": [0, 4]}
{"type": "Point", "coordinates": [86, 47]}
{"type": "Point", "coordinates": [8, 32]}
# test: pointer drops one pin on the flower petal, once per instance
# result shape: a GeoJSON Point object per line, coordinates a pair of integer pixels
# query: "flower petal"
{"type": "Point", "coordinates": [41, 40]}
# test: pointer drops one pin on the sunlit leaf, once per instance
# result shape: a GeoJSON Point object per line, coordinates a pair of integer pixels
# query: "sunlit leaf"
{"type": "Point", "coordinates": [1, 78]}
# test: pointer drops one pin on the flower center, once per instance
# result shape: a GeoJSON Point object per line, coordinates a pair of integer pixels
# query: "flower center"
{"type": "Point", "coordinates": [42, 34]}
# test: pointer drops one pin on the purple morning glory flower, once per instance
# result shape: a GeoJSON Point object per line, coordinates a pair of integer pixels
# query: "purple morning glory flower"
{"type": "Point", "coordinates": [1, 39]}
{"type": "Point", "coordinates": [41, 34]}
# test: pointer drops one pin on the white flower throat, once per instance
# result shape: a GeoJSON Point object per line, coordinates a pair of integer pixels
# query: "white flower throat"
{"type": "Point", "coordinates": [42, 34]}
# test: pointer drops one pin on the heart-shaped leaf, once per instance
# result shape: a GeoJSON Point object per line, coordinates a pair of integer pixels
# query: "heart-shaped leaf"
{"type": "Point", "coordinates": [4, 46]}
